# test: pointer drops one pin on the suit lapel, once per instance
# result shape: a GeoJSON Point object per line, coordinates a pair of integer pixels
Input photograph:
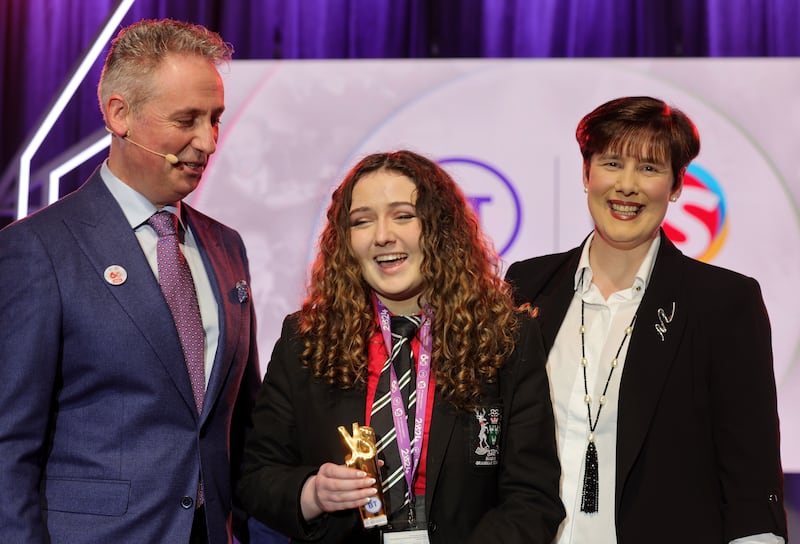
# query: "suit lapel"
{"type": "Point", "coordinates": [208, 239]}
{"type": "Point", "coordinates": [443, 421]}
{"type": "Point", "coordinates": [554, 297]}
{"type": "Point", "coordinates": [654, 344]}
{"type": "Point", "coordinates": [553, 294]}
{"type": "Point", "coordinates": [105, 237]}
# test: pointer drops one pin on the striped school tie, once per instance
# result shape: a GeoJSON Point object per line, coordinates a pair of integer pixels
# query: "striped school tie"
{"type": "Point", "coordinates": [394, 484]}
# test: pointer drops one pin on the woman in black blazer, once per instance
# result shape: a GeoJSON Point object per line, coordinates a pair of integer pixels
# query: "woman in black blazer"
{"type": "Point", "coordinates": [660, 365]}
{"type": "Point", "coordinates": [402, 244]}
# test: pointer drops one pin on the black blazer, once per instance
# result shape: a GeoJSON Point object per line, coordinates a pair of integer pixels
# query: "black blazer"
{"type": "Point", "coordinates": [295, 431]}
{"type": "Point", "coordinates": [698, 457]}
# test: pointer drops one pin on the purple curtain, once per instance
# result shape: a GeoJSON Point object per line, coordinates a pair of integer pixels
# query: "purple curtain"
{"type": "Point", "coordinates": [42, 40]}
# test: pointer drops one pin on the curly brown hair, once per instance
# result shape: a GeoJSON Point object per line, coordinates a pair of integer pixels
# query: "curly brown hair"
{"type": "Point", "coordinates": [474, 326]}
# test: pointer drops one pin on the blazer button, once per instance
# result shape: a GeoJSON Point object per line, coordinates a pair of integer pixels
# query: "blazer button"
{"type": "Point", "coordinates": [773, 497]}
{"type": "Point", "coordinates": [187, 502]}
{"type": "Point", "coordinates": [432, 526]}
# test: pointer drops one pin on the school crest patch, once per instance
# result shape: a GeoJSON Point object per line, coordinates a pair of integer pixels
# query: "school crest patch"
{"type": "Point", "coordinates": [485, 436]}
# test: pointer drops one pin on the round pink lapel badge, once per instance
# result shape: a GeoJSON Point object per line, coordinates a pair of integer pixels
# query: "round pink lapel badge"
{"type": "Point", "coordinates": [115, 274]}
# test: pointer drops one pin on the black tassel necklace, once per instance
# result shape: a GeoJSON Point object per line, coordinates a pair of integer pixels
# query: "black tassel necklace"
{"type": "Point", "coordinates": [591, 476]}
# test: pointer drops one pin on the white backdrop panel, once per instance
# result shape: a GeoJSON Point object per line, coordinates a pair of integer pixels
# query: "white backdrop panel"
{"type": "Point", "coordinates": [505, 130]}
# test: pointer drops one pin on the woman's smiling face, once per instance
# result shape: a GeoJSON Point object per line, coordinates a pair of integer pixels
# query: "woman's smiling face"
{"type": "Point", "coordinates": [628, 197]}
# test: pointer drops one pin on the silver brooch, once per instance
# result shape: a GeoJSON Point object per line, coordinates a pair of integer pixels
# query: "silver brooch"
{"type": "Point", "coordinates": [664, 320]}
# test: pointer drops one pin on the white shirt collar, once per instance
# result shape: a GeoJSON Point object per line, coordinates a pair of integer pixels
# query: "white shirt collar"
{"type": "Point", "coordinates": [135, 206]}
{"type": "Point", "coordinates": [641, 280]}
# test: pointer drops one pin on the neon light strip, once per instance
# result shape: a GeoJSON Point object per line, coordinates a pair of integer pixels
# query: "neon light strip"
{"type": "Point", "coordinates": [61, 103]}
{"type": "Point", "coordinates": [54, 180]}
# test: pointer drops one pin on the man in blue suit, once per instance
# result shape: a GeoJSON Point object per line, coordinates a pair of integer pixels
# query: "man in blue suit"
{"type": "Point", "coordinates": [106, 433]}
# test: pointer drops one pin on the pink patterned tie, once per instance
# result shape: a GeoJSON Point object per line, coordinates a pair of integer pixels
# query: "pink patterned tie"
{"type": "Point", "coordinates": [176, 283]}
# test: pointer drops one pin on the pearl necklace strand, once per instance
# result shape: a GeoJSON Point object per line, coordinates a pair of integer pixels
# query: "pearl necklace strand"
{"type": "Point", "coordinates": [591, 479]}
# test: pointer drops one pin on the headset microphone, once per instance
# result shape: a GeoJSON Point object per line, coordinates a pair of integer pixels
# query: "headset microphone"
{"type": "Point", "coordinates": [169, 157]}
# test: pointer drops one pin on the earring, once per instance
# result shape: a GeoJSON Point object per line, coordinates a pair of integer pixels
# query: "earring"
{"type": "Point", "coordinates": [585, 189]}
{"type": "Point", "coordinates": [673, 198]}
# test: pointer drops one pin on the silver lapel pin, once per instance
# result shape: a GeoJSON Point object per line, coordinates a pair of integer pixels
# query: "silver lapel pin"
{"type": "Point", "coordinates": [663, 320]}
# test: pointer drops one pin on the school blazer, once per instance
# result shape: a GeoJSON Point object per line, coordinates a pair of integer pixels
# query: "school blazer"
{"type": "Point", "coordinates": [516, 501]}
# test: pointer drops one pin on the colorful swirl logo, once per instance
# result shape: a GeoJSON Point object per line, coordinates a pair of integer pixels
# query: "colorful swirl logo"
{"type": "Point", "coordinates": [698, 223]}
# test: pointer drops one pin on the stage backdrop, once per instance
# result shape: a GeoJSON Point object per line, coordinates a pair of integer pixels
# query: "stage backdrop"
{"type": "Point", "coordinates": [505, 130]}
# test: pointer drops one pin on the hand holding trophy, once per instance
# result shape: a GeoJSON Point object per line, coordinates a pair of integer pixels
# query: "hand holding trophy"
{"type": "Point", "coordinates": [363, 456]}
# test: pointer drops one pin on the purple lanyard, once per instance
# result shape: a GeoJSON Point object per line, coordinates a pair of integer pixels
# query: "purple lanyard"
{"type": "Point", "coordinates": [409, 458]}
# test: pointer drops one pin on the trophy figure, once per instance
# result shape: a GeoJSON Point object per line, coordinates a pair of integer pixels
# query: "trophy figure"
{"type": "Point", "coordinates": [363, 456]}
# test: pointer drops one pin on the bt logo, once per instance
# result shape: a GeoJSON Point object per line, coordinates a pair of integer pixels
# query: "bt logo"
{"type": "Point", "coordinates": [492, 197]}
{"type": "Point", "coordinates": [698, 222]}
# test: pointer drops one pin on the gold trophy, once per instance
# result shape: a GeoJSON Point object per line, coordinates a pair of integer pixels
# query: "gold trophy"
{"type": "Point", "coordinates": [363, 456]}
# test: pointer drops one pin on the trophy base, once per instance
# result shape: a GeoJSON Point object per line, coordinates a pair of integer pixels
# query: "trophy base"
{"type": "Point", "coordinates": [376, 521]}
